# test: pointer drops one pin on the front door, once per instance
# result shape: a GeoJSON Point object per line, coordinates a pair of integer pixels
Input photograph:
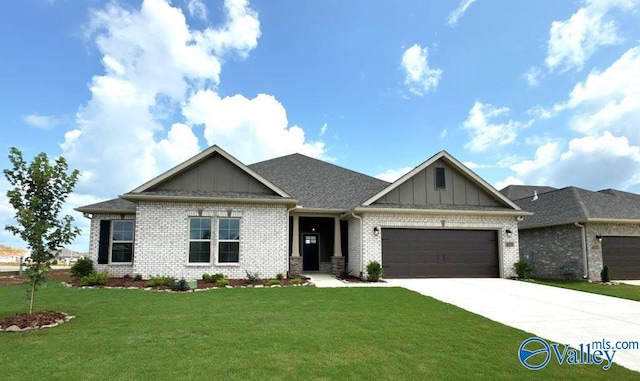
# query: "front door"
{"type": "Point", "coordinates": [310, 252]}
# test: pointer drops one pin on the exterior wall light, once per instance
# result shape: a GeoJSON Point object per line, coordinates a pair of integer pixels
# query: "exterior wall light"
{"type": "Point", "coordinates": [509, 232]}
{"type": "Point", "coordinates": [599, 237]}
{"type": "Point", "coordinates": [376, 231]}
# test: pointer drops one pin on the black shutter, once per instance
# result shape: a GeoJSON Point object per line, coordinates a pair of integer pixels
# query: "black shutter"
{"type": "Point", "coordinates": [103, 244]}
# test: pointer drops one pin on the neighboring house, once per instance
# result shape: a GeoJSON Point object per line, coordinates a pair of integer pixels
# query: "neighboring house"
{"type": "Point", "coordinates": [296, 214]}
{"type": "Point", "coordinates": [67, 255]}
{"type": "Point", "coordinates": [574, 231]}
{"type": "Point", "coordinates": [12, 254]}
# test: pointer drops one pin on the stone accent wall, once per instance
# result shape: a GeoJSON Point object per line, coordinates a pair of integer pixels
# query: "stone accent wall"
{"type": "Point", "coordinates": [355, 263]}
{"type": "Point", "coordinates": [295, 266]}
{"type": "Point", "coordinates": [552, 248]}
{"type": "Point", "coordinates": [507, 247]}
{"type": "Point", "coordinates": [116, 269]}
{"type": "Point", "coordinates": [161, 240]}
{"type": "Point", "coordinates": [594, 247]}
{"type": "Point", "coordinates": [337, 265]}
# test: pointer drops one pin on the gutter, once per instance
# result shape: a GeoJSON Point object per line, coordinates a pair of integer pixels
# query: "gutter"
{"type": "Point", "coordinates": [585, 265]}
{"type": "Point", "coordinates": [361, 243]}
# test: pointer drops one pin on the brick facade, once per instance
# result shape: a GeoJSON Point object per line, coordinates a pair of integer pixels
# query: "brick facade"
{"type": "Point", "coordinates": [161, 240]}
{"type": "Point", "coordinates": [372, 250]}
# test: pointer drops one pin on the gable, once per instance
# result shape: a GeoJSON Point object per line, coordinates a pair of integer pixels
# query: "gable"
{"type": "Point", "coordinates": [216, 174]}
{"type": "Point", "coordinates": [421, 189]}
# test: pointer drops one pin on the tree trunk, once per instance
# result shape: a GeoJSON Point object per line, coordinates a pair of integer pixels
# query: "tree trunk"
{"type": "Point", "coordinates": [33, 295]}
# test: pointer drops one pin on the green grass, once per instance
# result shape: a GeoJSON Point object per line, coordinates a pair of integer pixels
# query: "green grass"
{"type": "Point", "coordinates": [300, 333]}
{"type": "Point", "coordinates": [624, 291]}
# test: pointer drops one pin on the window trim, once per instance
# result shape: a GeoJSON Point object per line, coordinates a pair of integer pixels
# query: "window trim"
{"type": "Point", "coordinates": [444, 178]}
{"type": "Point", "coordinates": [189, 240]}
{"type": "Point", "coordinates": [113, 241]}
{"type": "Point", "coordinates": [219, 241]}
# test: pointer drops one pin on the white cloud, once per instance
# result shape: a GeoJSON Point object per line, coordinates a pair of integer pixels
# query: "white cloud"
{"type": "Point", "coordinates": [533, 76]}
{"type": "Point", "coordinates": [392, 175]}
{"type": "Point", "coordinates": [420, 78]}
{"type": "Point", "coordinates": [44, 122]}
{"type": "Point", "coordinates": [253, 129]}
{"type": "Point", "coordinates": [510, 180]}
{"type": "Point", "coordinates": [486, 132]}
{"type": "Point", "coordinates": [459, 12]}
{"type": "Point", "coordinates": [443, 133]}
{"type": "Point", "coordinates": [572, 42]}
{"type": "Point", "coordinates": [323, 129]}
{"type": "Point", "coordinates": [197, 8]}
{"type": "Point", "coordinates": [591, 162]}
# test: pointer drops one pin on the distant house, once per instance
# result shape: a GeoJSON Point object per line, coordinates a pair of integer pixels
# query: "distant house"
{"type": "Point", "coordinates": [574, 231]}
{"type": "Point", "coordinates": [294, 214]}
{"type": "Point", "coordinates": [11, 254]}
{"type": "Point", "coordinates": [67, 256]}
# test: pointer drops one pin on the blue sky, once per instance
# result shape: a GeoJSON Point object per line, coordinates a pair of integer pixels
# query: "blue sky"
{"type": "Point", "coordinates": [541, 93]}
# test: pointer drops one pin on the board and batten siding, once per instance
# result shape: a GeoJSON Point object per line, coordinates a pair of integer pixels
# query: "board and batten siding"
{"type": "Point", "coordinates": [421, 190]}
{"type": "Point", "coordinates": [216, 173]}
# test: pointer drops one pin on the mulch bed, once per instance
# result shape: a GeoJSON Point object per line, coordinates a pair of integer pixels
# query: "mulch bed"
{"type": "Point", "coordinates": [34, 319]}
{"type": "Point", "coordinates": [355, 279]}
{"type": "Point", "coordinates": [130, 283]}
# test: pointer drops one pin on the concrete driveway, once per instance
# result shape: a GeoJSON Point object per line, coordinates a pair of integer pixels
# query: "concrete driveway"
{"type": "Point", "coordinates": [560, 315]}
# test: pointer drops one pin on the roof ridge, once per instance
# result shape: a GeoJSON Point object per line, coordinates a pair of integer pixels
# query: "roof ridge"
{"type": "Point", "coordinates": [581, 205]}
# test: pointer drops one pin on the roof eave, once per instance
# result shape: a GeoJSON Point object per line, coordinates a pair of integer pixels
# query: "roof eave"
{"type": "Point", "coordinates": [104, 211]}
{"type": "Point", "coordinates": [583, 221]}
{"type": "Point", "coordinates": [454, 212]}
{"type": "Point", "coordinates": [147, 197]}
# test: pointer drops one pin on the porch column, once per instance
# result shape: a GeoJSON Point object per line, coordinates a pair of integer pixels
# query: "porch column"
{"type": "Point", "coordinates": [295, 261]}
{"type": "Point", "coordinates": [337, 261]}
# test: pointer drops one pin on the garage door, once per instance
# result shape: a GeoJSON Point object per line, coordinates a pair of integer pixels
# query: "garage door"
{"type": "Point", "coordinates": [422, 253]}
{"type": "Point", "coordinates": [622, 255]}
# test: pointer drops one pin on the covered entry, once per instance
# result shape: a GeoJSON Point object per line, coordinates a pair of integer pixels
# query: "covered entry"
{"type": "Point", "coordinates": [622, 256]}
{"type": "Point", "coordinates": [444, 253]}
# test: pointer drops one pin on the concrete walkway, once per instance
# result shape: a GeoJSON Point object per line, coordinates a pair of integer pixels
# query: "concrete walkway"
{"type": "Point", "coordinates": [329, 281]}
{"type": "Point", "coordinates": [557, 314]}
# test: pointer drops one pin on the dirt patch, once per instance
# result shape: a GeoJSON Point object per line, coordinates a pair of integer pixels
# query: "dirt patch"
{"type": "Point", "coordinates": [355, 279]}
{"type": "Point", "coordinates": [54, 276]}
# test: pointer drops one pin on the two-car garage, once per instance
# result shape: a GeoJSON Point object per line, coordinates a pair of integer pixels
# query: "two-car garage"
{"type": "Point", "coordinates": [622, 256]}
{"type": "Point", "coordinates": [444, 253]}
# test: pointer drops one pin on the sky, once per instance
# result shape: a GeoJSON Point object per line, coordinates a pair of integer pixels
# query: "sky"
{"type": "Point", "coordinates": [522, 92]}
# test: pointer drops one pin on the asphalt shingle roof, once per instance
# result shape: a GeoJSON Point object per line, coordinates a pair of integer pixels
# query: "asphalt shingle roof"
{"type": "Point", "coordinates": [213, 194]}
{"type": "Point", "coordinates": [572, 204]}
{"type": "Point", "coordinates": [317, 184]}
{"type": "Point", "coordinates": [516, 192]}
{"type": "Point", "coordinates": [116, 204]}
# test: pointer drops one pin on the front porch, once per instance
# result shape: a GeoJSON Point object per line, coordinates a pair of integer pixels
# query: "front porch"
{"type": "Point", "coordinates": [316, 244]}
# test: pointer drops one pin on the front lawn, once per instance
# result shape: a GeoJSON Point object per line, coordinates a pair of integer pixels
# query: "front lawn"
{"type": "Point", "coordinates": [300, 333]}
{"type": "Point", "coordinates": [624, 291]}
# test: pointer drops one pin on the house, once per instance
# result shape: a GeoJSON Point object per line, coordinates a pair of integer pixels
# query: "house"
{"type": "Point", "coordinates": [295, 214]}
{"type": "Point", "coordinates": [574, 231]}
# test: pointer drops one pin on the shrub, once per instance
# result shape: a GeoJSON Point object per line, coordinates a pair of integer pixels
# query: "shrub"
{"type": "Point", "coordinates": [280, 277]}
{"type": "Point", "coordinates": [375, 271]}
{"type": "Point", "coordinates": [137, 277]}
{"type": "Point", "coordinates": [216, 277]}
{"type": "Point", "coordinates": [604, 274]}
{"type": "Point", "coordinates": [180, 285]}
{"type": "Point", "coordinates": [345, 273]}
{"type": "Point", "coordinates": [222, 282]}
{"type": "Point", "coordinates": [82, 268]}
{"type": "Point", "coordinates": [126, 277]}
{"type": "Point", "coordinates": [295, 281]}
{"type": "Point", "coordinates": [253, 277]}
{"type": "Point", "coordinates": [274, 282]}
{"type": "Point", "coordinates": [159, 281]}
{"type": "Point", "coordinates": [94, 279]}
{"type": "Point", "coordinates": [207, 278]}
{"type": "Point", "coordinates": [523, 269]}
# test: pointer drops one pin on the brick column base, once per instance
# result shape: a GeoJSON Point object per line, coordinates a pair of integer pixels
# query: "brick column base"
{"type": "Point", "coordinates": [295, 266]}
{"type": "Point", "coordinates": [337, 265]}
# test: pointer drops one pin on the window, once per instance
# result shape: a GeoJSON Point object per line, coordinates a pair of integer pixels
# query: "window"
{"type": "Point", "coordinates": [199, 240]}
{"type": "Point", "coordinates": [122, 241]}
{"type": "Point", "coordinates": [440, 180]}
{"type": "Point", "coordinates": [228, 240]}
{"type": "Point", "coordinates": [310, 240]}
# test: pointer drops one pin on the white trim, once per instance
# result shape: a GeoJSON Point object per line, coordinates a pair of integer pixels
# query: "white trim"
{"type": "Point", "coordinates": [112, 241]}
{"type": "Point", "coordinates": [189, 240]}
{"type": "Point", "coordinates": [155, 197]}
{"type": "Point", "coordinates": [219, 241]}
{"type": "Point", "coordinates": [443, 154]}
{"type": "Point", "coordinates": [201, 156]}
{"type": "Point", "coordinates": [455, 212]}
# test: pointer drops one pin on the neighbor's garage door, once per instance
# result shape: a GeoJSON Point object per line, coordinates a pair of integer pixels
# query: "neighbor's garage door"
{"type": "Point", "coordinates": [422, 253]}
{"type": "Point", "coordinates": [622, 256]}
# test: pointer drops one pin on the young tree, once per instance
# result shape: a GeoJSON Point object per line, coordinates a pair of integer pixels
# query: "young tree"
{"type": "Point", "coordinates": [38, 193]}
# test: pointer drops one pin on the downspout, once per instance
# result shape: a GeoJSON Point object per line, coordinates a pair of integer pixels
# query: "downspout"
{"type": "Point", "coordinates": [585, 265]}
{"type": "Point", "coordinates": [361, 243]}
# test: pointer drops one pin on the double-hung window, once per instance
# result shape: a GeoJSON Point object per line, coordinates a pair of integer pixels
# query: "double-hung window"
{"type": "Point", "coordinates": [199, 240]}
{"type": "Point", "coordinates": [228, 240]}
{"type": "Point", "coordinates": [122, 241]}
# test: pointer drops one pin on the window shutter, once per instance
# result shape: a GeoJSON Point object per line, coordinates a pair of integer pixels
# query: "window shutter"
{"type": "Point", "coordinates": [103, 244]}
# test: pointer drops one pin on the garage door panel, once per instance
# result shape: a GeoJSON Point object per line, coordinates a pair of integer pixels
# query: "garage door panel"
{"type": "Point", "coordinates": [420, 253]}
{"type": "Point", "coordinates": [622, 256]}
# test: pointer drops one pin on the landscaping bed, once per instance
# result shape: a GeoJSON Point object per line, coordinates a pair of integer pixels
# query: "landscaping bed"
{"type": "Point", "coordinates": [128, 282]}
